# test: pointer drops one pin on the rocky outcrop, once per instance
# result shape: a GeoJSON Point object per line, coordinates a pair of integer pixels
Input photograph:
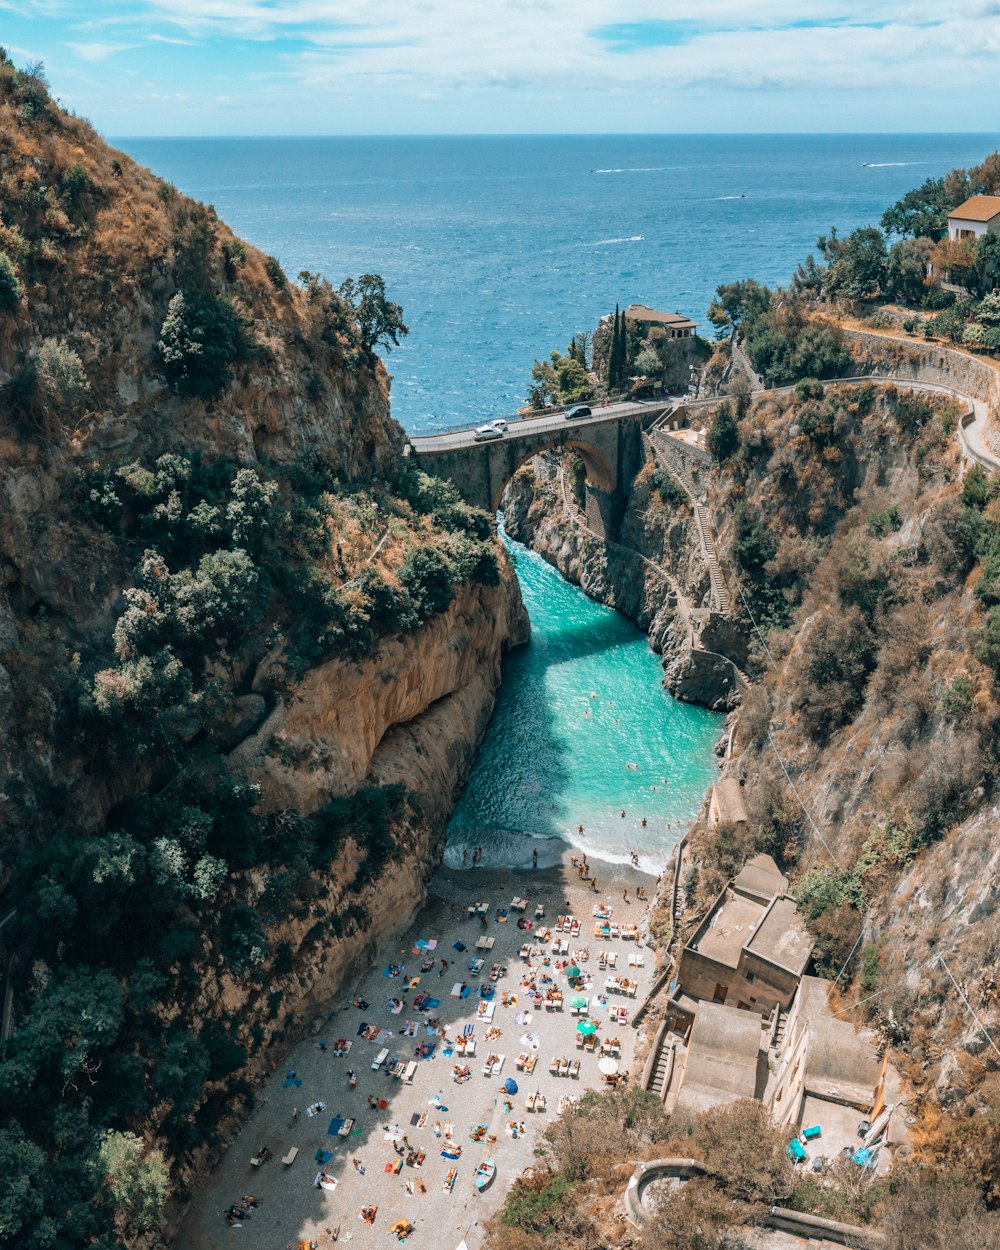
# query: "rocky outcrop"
{"type": "Point", "coordinates": [655, 576]}
{"type": "Point", "coordinates": [323, 736]}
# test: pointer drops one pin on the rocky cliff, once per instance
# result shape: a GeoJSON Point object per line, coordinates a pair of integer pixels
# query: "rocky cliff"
{"type": "Point", "coordinates": [866, 559]}
{"type": "Point", "coordinates": [247, 652]}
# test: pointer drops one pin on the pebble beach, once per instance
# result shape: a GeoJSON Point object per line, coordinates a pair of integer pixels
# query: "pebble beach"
{"type": "Point", "coordinates": [418, 1147]}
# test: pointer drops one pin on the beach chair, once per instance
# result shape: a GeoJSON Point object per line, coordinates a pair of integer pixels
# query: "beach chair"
{"type": "Point", "coordinates": [615, 930]}
{"type": "Point", "coordinates": [289, 1158]}
{"type": "Point", "coordinates": [524, 952]}
{"type": "Point", "coordinates": [574, 1068]}
{"type": "Point", "coordinates": [539, 911]}
{"type": "Point", "coordinates": [580, 1040]}
{"type": "Point", "coordinates": [575, 928]}
{"type": "Point", "coordinates": [380, 1058]}
{"type": "Point", "coordinates": [612, 959]}
{"type": "Point", "coordinates": [602, 961]}
{"type": "Point", "coordinates": [554, 1066]}
{"type": "Point", "coordinates": [529, 1067]}
{"type": "Point", "coordinates": [564, 1067]}
{"type": "Point", "coordinates": [409, 1071]}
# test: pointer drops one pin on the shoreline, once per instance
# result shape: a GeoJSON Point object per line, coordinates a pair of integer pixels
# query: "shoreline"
{"type": "Point", "coordinates": [291, 1207]}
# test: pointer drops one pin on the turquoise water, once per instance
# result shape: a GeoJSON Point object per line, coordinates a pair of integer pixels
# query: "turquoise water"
{"type": "Point", "coordinates": [577, 706]}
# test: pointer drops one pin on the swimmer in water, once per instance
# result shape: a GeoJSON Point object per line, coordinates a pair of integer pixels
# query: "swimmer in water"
{"type": "Point", "coordinates": [623, 813]}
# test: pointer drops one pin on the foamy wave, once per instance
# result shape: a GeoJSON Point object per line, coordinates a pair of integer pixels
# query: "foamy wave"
{"type": "Point", "coordinates": [632, 238]}
{"type": "Point", "coordinates": [889, 164]}
{"type": "Point", "coordinates": [634, 169]}
{"type": "Point", "coordinates": [732, 197]}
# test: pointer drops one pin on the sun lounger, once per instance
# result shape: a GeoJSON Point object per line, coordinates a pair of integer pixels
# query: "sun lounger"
{"type": "Point", "coordinates": [615, 931]}
{"type": "Point", "coordinates": [485, 943]}
{"type": "Point", "coordinates": [529, 1067]}
{"type": "Point", "coordinates": [575, 929]}
{"type": "Point", "coordinates": [636, 959]}
{"type": "Point", "coordinates": [524, 952]}
{"type": "Point", "coordinates": [564, 1067]}
{"type": "Point", "coordinates": [574, 1068]}
{"type": "Point", "coordinates": [539, 911]}
{"type": "Point", "coordinates": [554, 1066]}
{"type": "Point", "coordinates": [612, 959]}
{"type": "Point", "coordinates": [580, 1039]}
{"type": "Point", "coordinates": [380, 1058]}
{"type": "Point", "coordinates": [477, 966]}
{"type": "Point", "coordinates": [408, 1072]}
{"type": "Point", "coordinates": [485, 1011]}
{"type": "Point", "coordinates": [518, 904]}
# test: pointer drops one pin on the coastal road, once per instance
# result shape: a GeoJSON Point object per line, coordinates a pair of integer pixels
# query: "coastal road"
{"type": "Point", "coordinates": [544, 423]}
{"type": "Point", "coordinates": [972, 428]}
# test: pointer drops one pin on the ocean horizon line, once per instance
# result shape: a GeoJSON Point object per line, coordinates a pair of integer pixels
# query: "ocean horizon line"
{"type": "Point", "coordinates": [582, 134]}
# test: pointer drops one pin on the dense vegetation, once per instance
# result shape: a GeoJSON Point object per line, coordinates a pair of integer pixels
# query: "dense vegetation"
{"type": "Point", "coordinates": [254, 519]}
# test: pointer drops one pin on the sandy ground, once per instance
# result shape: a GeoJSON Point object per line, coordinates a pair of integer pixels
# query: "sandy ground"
{"type": "Point", "coordinates": [292, 1209]}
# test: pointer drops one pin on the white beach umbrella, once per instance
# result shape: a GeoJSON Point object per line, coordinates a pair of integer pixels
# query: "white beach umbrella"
{"type": "Point", "coordinates": [608, 1067]}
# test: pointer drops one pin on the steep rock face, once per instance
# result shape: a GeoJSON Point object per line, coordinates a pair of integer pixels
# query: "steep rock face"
{"type": "Point", "coordinates": [655, 576]}
{"type": "Point", "coordinates": [322, 737]}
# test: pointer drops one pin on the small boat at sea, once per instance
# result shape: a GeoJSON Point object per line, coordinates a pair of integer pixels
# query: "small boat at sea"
{"type": "Point", "coordinates": [485, 1174]}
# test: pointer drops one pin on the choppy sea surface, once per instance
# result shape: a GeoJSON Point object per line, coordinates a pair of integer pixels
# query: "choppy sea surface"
{"type": "Point", "coordinates": [499, 250]}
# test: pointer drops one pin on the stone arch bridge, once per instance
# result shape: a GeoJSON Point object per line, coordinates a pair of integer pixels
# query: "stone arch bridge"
{"type": "Point", "coordinates": [609, 442]}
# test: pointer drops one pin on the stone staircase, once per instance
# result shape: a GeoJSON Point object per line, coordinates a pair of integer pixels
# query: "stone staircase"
{"type": "Point", "coordinates": [662, 1070]}
{"type": "Point", "coordinates": [673, 456]}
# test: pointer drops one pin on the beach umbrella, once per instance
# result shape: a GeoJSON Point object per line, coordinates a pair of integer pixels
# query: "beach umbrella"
{"type": "Point", "coordinates": [510, 1085]}
{"type": "Point", "coordinates": [586, 1027]}
{"type": "Point", "coordinates": [579, 1001]}
{"type": "Point", "coordinates": [573, 972]}
{"type": "Point", "coordinates": [607, 1066]}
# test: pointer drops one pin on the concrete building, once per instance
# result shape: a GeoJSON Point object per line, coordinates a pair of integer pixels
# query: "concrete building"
{"type": "Point", "coordinates": [974, 217]}
{"type": "Point", "coordinates": [662, 325]}
{"type": "Point", "coordinates": [726, 806]}
{"type": "Point", "coordinates": [726, 1059]}
{"type": "Point", "coordinates": [752, 948]}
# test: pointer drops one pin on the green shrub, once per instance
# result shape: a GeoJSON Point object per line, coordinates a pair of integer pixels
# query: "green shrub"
{"type": "Point", "coordinates": [275, 273]}
{"type": "Point", "coordinates": [882, 523]}
{"type": "Point", "coordinates": [60, 380]}
{"type": "Point", "coordinates": [427, 579]}
{"type": "Point", "coordinates": [74, 181]}
{"type": "Point", "coordinates": [242, 939]}
{"type": "Point", "coordinates": [670, 491]}
{"type": "Point", "coordinates": [200, 338]}
{"type": "Point", "coordinates": [956, 698]}
{"type": "Point", "coordinates": [10, 285]}
{"type": "Point", "coordinates": [809, 388]}
{"type": "Point", "coordinates": [723, 436]}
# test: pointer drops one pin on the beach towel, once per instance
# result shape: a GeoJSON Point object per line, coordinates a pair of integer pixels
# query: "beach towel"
{"type": "Point", "coordinates": [329, 1183]}
{"type": "Point", "coordinates": [290, 1080]}
{"type": "Point", "coordinates": [459, 946]}
{"type": "Point", "coordinates": [414, 1119]}
{"type": "Point", "coordinates": [383, 1036]}
{"type": "Point", "coordinates": [323, 1156]}
{"type": "Point", "coordinates": [336, 1124]}
{"type": "Point", "coordinates": [449, 1154]}
{"type": "Point", "coordinates": [394, 1009]}
{"type": "Point", "coordinates": [431, 1003]}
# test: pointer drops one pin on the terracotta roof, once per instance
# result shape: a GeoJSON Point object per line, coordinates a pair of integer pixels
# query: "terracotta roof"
{"type": "Point", "coordinates": [640, 312]}
{"type": "Point", "coordinates": [978, 208]}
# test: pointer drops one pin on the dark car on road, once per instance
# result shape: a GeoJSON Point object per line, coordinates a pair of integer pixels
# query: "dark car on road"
{"type": "Point", "coordinates": [581, 410]}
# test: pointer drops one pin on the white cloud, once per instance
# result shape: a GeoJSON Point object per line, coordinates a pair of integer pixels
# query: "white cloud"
{"type": "Point", "coordinates": [98, 51]}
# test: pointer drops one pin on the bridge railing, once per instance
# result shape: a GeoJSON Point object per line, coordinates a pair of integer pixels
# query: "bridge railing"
{"type": "Point", "coordinates": [612, 411]}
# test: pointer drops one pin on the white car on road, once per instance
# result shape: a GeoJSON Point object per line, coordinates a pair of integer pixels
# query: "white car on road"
{"type": "Point", "coordinates": [482, 433]}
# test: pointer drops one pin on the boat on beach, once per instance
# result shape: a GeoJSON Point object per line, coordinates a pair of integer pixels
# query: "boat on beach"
{"type": "Point", "coordinates": [485, 1174]}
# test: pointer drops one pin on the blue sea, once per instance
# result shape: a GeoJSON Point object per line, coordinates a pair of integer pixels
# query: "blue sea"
{"type": "Point", "coordinates": [500, 249]}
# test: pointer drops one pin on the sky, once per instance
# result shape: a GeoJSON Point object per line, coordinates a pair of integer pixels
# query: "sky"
{"type": "Point", "coordinates": [256, 67]}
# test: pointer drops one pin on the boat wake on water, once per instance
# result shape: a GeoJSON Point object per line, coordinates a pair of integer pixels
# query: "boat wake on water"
{"type": "Point", "coordinates": [631, 238]}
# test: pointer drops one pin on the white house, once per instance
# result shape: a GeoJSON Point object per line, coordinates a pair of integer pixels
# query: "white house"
{"type": "Point", "coordinates": [974, 217]}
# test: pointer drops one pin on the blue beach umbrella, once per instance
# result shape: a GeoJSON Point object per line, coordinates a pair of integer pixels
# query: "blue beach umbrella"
{"type": "Point", "coordinates": [510, 1085]}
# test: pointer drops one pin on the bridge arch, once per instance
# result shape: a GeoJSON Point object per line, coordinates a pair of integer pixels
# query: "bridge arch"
{"type": "Point", "coordinates": [599, 472]}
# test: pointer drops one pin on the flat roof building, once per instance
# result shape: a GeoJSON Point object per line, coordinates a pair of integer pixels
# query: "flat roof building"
{"type": "Point", "coordinates": [723, 1058]}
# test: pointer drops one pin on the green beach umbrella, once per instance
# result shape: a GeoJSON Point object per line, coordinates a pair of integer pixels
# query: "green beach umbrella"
{"type": "Point", "coordinates": [586, 1027]}
{"type": "Point", "coordinates": [579, 1001]}
{"type": "Point", "coordinates": [573, 972]}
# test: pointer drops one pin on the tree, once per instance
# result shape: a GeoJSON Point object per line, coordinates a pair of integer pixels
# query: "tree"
{"type": "Point", "coordinates": [987, 260]}
{"type": "Point", "coordinates": [957, 261]}
{"type": "Point", "coordinates": [648, 363]}
{"type": "Point", "coordinates": [928, 1212]}
{"type": "Point", "coordinates": [858, 271]}
{"type": "Point", "coordinates": [379, 320]}
{"type": "Point", "coordinates": [723, 436]}
{"type": "Point", "coordinates": [737, 303]}
{"type": "Point", "coordinates": [10, 285]}
{"type": "Point", "coordinates": [426, 577]}
{"type": "Point", "coordinates": [61, 383]}
{"type": "Point", "coordinates": [695, 1216]}
{"type": "Point", "coordinates": [136, 1179]}
{"type": "Point", "coordinates": [745, 1153]}
{"type": "Point", "coordinates": [922, 211]}
{"type": "Point", "coordinates": [906, 269]}
{"type": "Point", "coordinates": [70, 1025]}
{"type": "Point", "coordinates": [200, 338]}
{"type": "Point", "coordinates": [986, 177]}
{"type": "Point", "coordinates": [23, 1167]}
